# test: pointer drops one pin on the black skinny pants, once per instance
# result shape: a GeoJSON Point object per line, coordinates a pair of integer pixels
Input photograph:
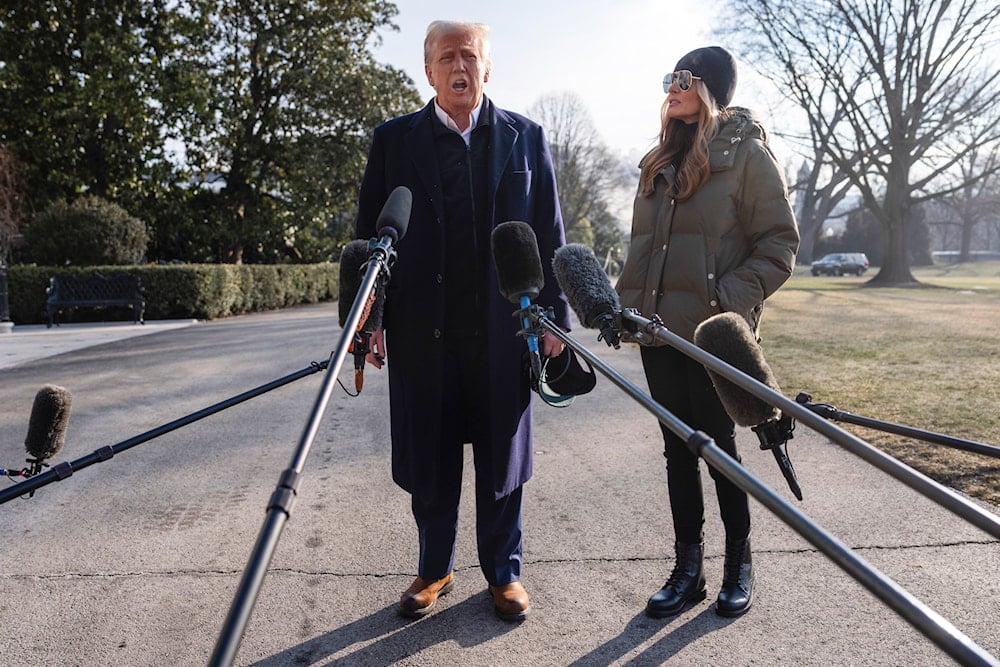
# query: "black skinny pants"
{"type": "Point", "coordinates": [683, 387]}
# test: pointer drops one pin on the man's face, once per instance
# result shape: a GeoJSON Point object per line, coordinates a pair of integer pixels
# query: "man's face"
{"type": "Point", "coordinates": [457, 71]}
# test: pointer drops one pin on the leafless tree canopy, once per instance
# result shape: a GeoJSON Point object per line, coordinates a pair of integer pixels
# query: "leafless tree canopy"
{"type": "Point", "coordinates": [586, 170]}
{"type": "Point", "coordinates": [897, 93]}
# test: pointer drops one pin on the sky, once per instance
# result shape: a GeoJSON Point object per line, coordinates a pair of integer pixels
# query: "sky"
{"type": "Point", "coordinates": [611, 53]}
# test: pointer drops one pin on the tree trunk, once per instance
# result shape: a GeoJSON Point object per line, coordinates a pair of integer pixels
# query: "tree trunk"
{"type": "Point", "coordinates": [895, 269]}
{"type": "Point", "coordinates": [968, 222]}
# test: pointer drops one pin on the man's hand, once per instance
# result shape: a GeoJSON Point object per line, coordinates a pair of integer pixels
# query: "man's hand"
{"type": "Point", "coordinates": [376, 348]}
{"type": "Point", "coordinates": [551, 346]}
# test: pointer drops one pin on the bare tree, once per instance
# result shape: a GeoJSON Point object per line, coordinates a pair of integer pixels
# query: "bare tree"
{"type": "Point", "coordinates": [974, 201]}
{"type": "Point", "coordinates": [908, 89]}
{"type": "Point", "coordinates": [587, 172]}
{"type": "Point", "coordinates": [816, 199]}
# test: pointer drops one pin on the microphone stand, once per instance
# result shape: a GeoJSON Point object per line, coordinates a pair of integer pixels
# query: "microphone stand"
{"type": "Point", "coordinates": [926, 620]}
{"type": "Point", "coordinates": [947, 498]}
{"type": "Point", "coordinates": [279, 506]}
{"type": "Point", "coordinates": [828, 411]}
{"type": "Point", "coordinates": [61, 471]}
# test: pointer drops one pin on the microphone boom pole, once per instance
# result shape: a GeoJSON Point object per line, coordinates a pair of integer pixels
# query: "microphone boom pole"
{"type": "Point", "coordinates": [279, 507]}
{"type": "Point", "coordinates": [828, 411]}
{"type": "Point", "coordinates": [931, 624]}
{"type": "Point", "coordinates": [61, 471]}
{"type": "Point", "coordinates": [942, 495]}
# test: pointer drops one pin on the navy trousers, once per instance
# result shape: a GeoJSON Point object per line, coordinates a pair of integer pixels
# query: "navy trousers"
{"type": "Point", "coordinates": [498, 521]}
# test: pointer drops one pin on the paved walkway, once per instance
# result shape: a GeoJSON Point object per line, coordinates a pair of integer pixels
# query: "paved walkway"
{"type": "Point", "coordinates": [29, 342]}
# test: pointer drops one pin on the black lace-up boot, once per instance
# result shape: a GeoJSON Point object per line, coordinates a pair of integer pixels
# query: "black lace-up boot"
{"type": "Point", "coordinates": [736, 595]}
{"type": "Point", "coordinates": [685, 584]}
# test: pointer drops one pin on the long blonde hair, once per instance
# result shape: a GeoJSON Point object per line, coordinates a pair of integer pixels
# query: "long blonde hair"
{"type": "Point", "coordinates": [694, 170]}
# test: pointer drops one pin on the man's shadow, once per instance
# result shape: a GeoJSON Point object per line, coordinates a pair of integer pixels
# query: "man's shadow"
{"type": "Point", "coordinates": [385, 637]}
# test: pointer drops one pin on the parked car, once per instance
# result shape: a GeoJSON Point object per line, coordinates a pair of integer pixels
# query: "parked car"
{"type": "Point", "coordinates": [839, 263]}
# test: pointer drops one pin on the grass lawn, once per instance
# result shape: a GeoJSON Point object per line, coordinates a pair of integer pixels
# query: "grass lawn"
{"type": "Point", "coordinates": [927, 358]}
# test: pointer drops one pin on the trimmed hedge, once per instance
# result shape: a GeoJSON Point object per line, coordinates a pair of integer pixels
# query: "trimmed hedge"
{"type": "Point", "coordinates": [201, 291]}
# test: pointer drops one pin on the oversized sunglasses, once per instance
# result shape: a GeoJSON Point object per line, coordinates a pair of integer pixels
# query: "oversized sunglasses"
{"type": "Point", "coordinates": [683, 77]}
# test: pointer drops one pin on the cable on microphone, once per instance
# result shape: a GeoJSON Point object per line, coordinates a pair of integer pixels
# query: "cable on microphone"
{"type": "Point", "coordinates": [728, 337]}
{"type": "Point", "coordinates": [520, 278]}
{"type": "Point", "coordinates": [588, 291]}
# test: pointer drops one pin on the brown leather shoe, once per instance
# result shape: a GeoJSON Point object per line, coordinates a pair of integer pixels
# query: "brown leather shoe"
{"type": "Point", "coordinates": [418, 600]}
{"type": "Point", "coordinates": [510, 601]}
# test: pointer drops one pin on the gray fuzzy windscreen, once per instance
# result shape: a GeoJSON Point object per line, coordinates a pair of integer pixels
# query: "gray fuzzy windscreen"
{"type": "Point", "coordinates": [48, 422]}
{"type": "Point", "coordinates": [728, 337]}
{"type": "Point", "coordinates": [584, 282]}
{"type": "Point", "coordinates": [352, 258]}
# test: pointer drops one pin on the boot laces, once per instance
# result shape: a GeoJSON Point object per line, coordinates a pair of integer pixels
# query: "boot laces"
{"type": "Point", "coordinates": [676, 576]}
{"type": "Point", "coordinates": [733, 561]}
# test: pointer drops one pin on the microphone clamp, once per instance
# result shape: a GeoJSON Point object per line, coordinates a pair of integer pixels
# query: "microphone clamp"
{"type": "Point", "coordinates": [774, 434]}
{"type": "Point", "coordinates": [632, 332]}
{"type": "Point", "coordinates": [531, 317]}
{"type": "Point", "coordinates": [37, 465]}
{"type": "Point", "coordinates": [611, 328]}
{"type": "Point", "coordinates": [386, 248]}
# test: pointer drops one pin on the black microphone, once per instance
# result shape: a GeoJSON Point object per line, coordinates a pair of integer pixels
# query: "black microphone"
{"type": "Point", "coordinates": [520, 276]}
{"type": "Point", "coordinates": [394, 217]}
{"type": "Point", "coordinates": [589, 291]}
{"type": "Point", "coordinates": [391, 225]}
{"type": "Point", "coordinates": [728, 337]}
{"type": "Point", "coordinates": [353, 262]}
{"type": "Point", "coordinates": [47, 426]}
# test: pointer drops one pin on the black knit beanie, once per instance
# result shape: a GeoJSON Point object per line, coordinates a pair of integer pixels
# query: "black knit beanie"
{"type": "Point", "coordinates": [717, 69]}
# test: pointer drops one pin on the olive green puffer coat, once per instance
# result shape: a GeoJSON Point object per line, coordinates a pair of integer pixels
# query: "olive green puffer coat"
{"type": "Point", "coordinates": [725, 249]}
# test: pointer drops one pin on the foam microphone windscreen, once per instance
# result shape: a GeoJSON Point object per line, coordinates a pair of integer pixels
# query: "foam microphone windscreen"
{"type": "Point", "coordinates": [373, 320]}
{"type": "Point", "coordinates": [519, 266]}
{"type": "Point", "coordinates": [728, 337]}
{"type": "Point", "coordinates": [48, 421]}
{"type": "Point", "coordinates": [394, 217]}
{"type": "Point", "coordinates": [584, 282]}
{"type": "Point", "coordinates": [352, 259]}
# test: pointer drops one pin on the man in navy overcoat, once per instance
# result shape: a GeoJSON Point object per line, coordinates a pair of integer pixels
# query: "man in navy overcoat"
{"type": "Point", "coordinates": [455, 361]}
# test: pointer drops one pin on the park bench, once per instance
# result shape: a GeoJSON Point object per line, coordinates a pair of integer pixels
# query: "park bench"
{"type": "Point", "coordinates": [66, 291]}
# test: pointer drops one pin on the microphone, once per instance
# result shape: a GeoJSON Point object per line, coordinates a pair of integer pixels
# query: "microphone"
{"type": "Point", "coordinates": [728, 337]}
{"type": "Point", "coordinates": [394, 217]}
{"type": "Point", "coordinates": [47, 426]}
{"type": "Point", "coordinates": [588, 290]}
{"type": "Point", "coordinates": [353, 260]}
{"type": "Point", "coordinates": [390, 226]}
{"type": "Point", "coordinates": [520, 277]}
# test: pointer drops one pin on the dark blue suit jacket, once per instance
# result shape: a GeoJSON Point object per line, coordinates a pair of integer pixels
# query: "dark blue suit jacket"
{"type": "Point", "coordinates": [522, 187]}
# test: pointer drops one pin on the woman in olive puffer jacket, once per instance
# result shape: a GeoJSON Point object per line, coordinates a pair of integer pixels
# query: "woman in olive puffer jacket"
{"type": "Point", "coordinates": [712, 232]}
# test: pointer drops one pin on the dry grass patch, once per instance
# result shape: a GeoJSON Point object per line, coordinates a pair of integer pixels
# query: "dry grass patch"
{"type": "Point", "coordinates": [928, 358]}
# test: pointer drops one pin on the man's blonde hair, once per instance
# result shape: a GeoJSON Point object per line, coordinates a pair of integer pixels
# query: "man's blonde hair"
{"type": "Point", "coordinates": [438, 29]}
